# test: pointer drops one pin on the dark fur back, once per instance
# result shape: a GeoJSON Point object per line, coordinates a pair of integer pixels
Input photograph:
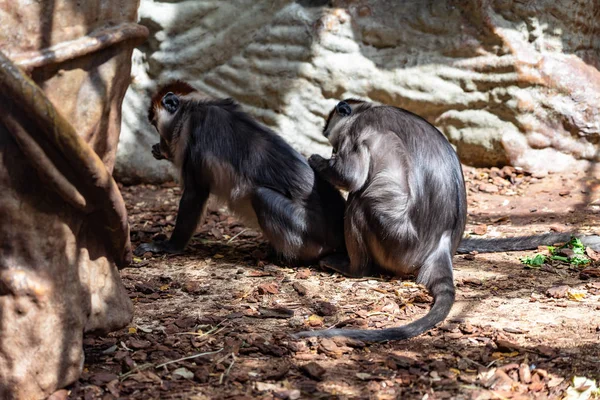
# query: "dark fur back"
{"type": "Point", "coordinates": [222, 130]}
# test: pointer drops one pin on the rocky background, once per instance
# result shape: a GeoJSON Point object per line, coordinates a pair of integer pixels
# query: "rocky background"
{"type": "Point", "coordinates": [508, 82]}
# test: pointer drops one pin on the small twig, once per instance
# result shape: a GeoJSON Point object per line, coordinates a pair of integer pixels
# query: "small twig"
{"type": "Point", "coordinates": [498, 396]}
{"type": "Point", "coordinates": [226, 373]}
{"type": "Point", "coordinates": [472, 361]}
{"type": "Point", "coordinates": [136, 369]}
{"type": "Point", "coordinates": [225, 357]}
{"type": "Point", "coordinates": [333, 326]}
{"type": "Point", "coordinates": [150, 365]}
{"type": "Point", "coordinates": [189, 357]}
{"type": "Point", "coordinates": [236, 235]}
{"type": "Point", "coordinates": [380, 313]}
{"type": "Point", "coordinates": [214, 330]}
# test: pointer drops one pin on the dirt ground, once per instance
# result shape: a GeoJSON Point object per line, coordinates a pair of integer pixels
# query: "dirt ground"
{"type": "Point", "coordinates": [214, 322]}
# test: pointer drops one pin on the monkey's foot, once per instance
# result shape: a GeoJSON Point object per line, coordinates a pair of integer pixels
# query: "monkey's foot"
{"type": "Point", "coordinates": [340, 262]}
{"type": "Point", "coordinates": [156, 247]}
{"type": "Point", "coordinates": [337, 262]}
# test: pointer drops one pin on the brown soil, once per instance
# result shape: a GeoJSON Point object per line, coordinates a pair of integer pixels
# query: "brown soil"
{"type": "Point", "coordinates": [507, 337]}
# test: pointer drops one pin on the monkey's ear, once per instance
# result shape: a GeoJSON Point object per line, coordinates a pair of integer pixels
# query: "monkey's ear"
{"type": "Point", "coordinates": [343, 109]}
{"type": "Point", "coordinates": [170, 102]}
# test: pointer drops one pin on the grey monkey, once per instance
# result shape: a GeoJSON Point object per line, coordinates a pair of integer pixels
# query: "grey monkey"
{"type": "Point", "coordinates": [406, 207]}
{"type": "Point", "coordinates": [221, 150]}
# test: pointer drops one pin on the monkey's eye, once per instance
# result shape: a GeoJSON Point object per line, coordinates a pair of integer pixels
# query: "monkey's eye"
{"type": "Point", "coordinates": [170, 102]}
{"type": "Point", "coordinates": [343, 109]}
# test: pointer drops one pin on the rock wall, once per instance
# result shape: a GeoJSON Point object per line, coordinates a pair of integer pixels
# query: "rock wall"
{"type": "Point", "coordinates": [64, 70]}
{"type": "Point", "coordinates": [508, 82]}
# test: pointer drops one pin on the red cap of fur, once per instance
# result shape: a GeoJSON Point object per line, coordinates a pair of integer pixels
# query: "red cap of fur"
{"type": "Point", "coordinates": [179, 88]}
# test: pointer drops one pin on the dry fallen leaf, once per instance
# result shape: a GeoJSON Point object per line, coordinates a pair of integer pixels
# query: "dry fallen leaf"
{"type": "Point", "coordinates": [183, 373]}
{"type": "Point", "coordinates": [558, 292]}
{"type": "Point", "coordinates": [268, 288]}
{"type": "Point", "coordinates": [363, 376]}
{"type": "Point", "coordinates": [592, 254]}
{"type": "Point", "coordinates": [479, 229]}
{"type": "Point", "coordinates": [499, 355]}
{"type": "Point", "coordinates": [588, 273]}
{"type": "Point", "coordinates": [315, 321]}
{"type": "Point", "coordinates": [582, 388]}
{"type": "Point", "coordinates": [576, 295]}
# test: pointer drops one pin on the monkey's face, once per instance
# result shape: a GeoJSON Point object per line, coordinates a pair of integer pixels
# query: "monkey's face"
{"type": "Point", "coordinates": [341, 118]}
{"type": "Point", "coordinates": [163, 117]}
{"type": "Point", "coordinates": [163, 111]}
{"type": "Point", "coordinates": [341, 111]}
{"type": "Point", "coordinates": [166, 114]}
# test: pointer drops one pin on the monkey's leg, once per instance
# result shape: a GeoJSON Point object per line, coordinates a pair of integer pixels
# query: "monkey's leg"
{"type": "Point", "coordinates": [288, 225]}
{"type": "Point", "coordinates": [357, 263]}
{"type": "Point", "coordinates": [190, 210]}
{"type": "Point", "coordinates": [355, 233]}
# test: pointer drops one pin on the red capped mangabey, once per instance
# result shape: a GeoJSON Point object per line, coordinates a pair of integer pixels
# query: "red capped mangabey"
{"type": "Point", "coordinates": [221, 150]}
{"type": "Point", "coordinates": [406, 208]}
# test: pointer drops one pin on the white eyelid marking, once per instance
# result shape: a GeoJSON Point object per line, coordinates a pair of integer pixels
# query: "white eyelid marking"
{"type": "Point", "coordinates": [163, 118]}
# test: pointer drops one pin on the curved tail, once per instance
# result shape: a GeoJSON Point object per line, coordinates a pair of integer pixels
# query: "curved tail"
{"type": "Point", "coordinates": [518, 243]}
{"type": "Point", "coordinates": [436, 275]}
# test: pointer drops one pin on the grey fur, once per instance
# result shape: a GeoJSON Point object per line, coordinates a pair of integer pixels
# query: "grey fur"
{"type": "Point", "coordinates": [406, 209]}
{"type": "Point", "coordinates": [221, 150]}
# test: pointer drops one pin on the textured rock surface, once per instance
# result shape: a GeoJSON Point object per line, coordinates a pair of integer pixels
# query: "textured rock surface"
{"type": "Point", "coordinates": [506, 81]}
{"type": "Point", "coordinates": [63, 224]}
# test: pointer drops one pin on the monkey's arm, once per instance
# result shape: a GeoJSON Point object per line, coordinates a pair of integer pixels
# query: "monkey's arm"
{"type": "Point", "coordinates": [161, 150]}
{"type": "Point", "coordinates": [156, 152]}
{"type": "Point", "coordinates": [346, 170]}
{"type": "Point", "coordinates": [191, 206]}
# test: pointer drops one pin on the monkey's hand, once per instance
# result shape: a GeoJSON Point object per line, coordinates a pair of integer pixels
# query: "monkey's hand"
{"type": "Point", "coordinates": [157, 247]}
{"type": "Point", "coordinates": [156, 152]}
{"type": "Point", "coordinates": [318, 163]}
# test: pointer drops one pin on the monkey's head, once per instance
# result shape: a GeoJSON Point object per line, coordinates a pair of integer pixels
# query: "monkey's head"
{"type": "Point", "coordinates": [342, 114]}
{"type": "Point", "coordinates": [164, 108]}
{"type": "Point", "coordinates": [166, 102]}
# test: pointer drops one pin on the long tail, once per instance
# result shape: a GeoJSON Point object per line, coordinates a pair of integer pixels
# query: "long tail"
{"type": "Point", "coordinates": [437, 277]}
{"type": "Point", "coordinates": [518, 243]}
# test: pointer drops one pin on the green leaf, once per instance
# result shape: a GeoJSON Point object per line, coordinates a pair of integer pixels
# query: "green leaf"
{"type": "Point", "coordinates": [535, 261]}
{"type": "Point", "coordinates": [577, 260]}
{"type": "Point", "coordinates": [575, 244]}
